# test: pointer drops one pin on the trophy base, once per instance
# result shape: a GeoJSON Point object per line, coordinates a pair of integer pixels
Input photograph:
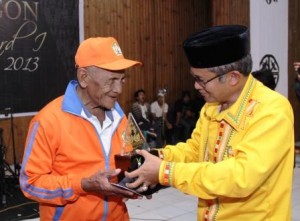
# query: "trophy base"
{"type": "Point", "coordinates": [128, 162]}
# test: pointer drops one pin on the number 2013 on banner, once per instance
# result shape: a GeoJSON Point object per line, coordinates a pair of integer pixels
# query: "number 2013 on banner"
{"type": "Point", "coordinates": [15, 64]}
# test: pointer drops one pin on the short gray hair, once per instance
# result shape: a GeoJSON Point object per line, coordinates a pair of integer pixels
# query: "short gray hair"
{"type": "Point", "coordinates": [244, 66]}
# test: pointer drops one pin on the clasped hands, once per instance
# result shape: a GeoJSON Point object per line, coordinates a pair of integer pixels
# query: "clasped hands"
{"type": "Point", "coordinates": [99, 183]}
{"type": "Point", "coordinates": [146, 176]}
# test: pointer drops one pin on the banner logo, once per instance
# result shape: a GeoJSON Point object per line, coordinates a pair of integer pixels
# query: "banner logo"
{"type": "Point", "coordinates": [269, 62]}
{"type": "Point", "coordinates": [270, 1]}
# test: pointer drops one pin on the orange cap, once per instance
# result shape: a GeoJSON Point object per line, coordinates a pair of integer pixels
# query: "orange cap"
{"type": "Point", "coordinates": [104, 53]}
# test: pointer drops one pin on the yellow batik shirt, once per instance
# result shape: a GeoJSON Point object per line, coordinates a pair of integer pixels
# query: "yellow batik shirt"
{"type": "Point", "coordinates": [238, 162]}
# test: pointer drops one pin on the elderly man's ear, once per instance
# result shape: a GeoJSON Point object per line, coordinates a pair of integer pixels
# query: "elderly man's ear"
{"type": "Point", "coordinates": [82, 77]}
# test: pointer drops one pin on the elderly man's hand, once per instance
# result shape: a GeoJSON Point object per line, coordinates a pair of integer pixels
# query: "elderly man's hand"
{"type": "Point", "coordinates": [147, 174]}
{"type": "Point", "coordinates": [99, 183]}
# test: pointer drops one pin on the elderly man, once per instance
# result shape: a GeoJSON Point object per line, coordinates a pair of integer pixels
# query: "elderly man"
{"type": "Point", "coordinates": [239, 160]}
{"type": "Point", "coordinates": [68, 162]}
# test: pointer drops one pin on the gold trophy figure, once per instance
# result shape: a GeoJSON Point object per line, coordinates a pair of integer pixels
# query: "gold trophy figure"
{"type": "Point", "coordinates": [133, 136]}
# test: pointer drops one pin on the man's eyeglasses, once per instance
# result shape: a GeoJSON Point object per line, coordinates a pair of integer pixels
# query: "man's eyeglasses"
{"type": "Point", "coordinates": [203, 83]}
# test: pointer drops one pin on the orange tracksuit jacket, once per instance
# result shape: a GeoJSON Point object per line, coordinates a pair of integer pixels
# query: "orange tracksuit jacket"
{"type": "Point", "coordinates": [61, 148]}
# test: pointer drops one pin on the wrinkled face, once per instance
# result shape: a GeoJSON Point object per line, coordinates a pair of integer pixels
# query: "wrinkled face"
{"type": "Point", "coordinates": [213, 88]}
{"type": "Point", "coordinates": [103, 86]}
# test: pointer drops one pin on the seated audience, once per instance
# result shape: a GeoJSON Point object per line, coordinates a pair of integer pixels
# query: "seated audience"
{"type": "Point", "coordinates": [184, 117]}
{"type": "Point", "coordinates": [159, 110]}
{"type": "Point", "coordinates": [141, 110]}
{"type": "Point", "coordinates": [297, 79]}
{"type": "Point", "coordinates": [198, 103]}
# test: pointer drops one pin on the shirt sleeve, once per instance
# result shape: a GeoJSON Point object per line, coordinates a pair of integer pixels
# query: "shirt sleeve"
{"type": "Point", "coordinates": [38, 181]}
{"type": "Point", "coordinates": [190, 151]}
{"type": "Point", "coordinates": [152, 108]}
{"type": "Point", "coordinates": [268, 133]}
{"type": "Point", "coordinates": [166, 108]}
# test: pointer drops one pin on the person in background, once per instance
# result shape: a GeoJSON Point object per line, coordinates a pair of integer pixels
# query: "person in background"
{"type": "Point", "coordinates": [159, 110]}
{"type": "Point", "coordinates": [297, 79]}
{"type": "Point", "coordinates": [68, 160]}
{"type": "Point", "coordinates": [297, 91]}
{"type": "Point", "coordinates": [140, 110]}
{"type": "Point", "coordinates": [185, 117]}
{"type": "Point", "coordinates": [266, 77]}
{"type": "Point", "coordinates": [239, 160]}
{"type": "Point", "coordinates": [198, 103]}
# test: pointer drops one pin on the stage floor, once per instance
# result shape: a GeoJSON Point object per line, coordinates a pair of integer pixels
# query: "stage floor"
{"type": "Point", "coordinates": [168, 204]}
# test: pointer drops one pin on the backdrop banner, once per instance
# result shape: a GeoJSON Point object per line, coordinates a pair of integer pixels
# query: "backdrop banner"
{"type": "Point", "coordinates": [269, 39]}
{"type": "Point", "coordinates": [38, 41]}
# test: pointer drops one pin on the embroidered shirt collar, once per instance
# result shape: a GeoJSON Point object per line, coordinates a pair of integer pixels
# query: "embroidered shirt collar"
{"type": "Point", "coordinates": [236, 113]}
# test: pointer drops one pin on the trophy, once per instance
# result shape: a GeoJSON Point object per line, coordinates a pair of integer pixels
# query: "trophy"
{"type": "Point", "coordinates": [133, 139]}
